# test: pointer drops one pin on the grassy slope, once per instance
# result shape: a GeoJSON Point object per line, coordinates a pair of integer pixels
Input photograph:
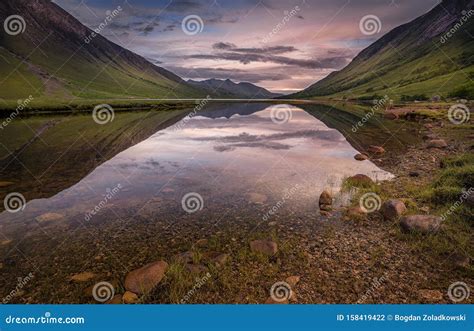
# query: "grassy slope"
{"type": "Point", "coordinates": [64, 67]}
{"type": "Point", "coordinates": [410, 68]}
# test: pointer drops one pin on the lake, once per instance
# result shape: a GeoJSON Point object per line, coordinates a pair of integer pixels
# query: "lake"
{"type": "Point", "coordinates": [150, 183]}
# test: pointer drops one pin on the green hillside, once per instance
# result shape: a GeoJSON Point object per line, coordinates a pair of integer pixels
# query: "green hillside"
{"type": "Point", "coordinates": [52, 62]}
{"type": "Point", "coordinates": [412, 60]}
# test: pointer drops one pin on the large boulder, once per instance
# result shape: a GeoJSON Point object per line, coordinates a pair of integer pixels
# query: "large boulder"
{"type": "Point", "coordinates": [420, 223]}
{"type": "Point", "coordinates": [393, 209]}
{"type": "Point", "coordinates": [143, 280]}
{"type": "Point", "coordinates": [266, 247]}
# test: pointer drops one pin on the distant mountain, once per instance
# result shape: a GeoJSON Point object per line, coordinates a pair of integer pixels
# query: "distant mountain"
{"type": "Point", "coordinates": [58, 58]}
{"type": "Point", "coordinates": [432, 55]}
{"type": "Point", "coordinates": [229, 89]}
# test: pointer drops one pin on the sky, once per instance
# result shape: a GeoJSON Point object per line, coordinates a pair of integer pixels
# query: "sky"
{"type": "Point", "coordinates": [282, 45]}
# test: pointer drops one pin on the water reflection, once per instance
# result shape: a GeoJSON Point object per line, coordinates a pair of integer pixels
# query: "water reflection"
{"type": "Point", "coordinates": [233, 155]}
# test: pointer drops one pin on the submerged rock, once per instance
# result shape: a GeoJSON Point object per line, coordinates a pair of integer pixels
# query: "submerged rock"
{"type": "Point", "coordinates": [82, 277]}
{"type": "Point", "coordinates": [393, 209]}
{"type": "Point", "coordinates": [144, 279]}
{"type": "Point", "coordinates": [437, 143]}
{"type": "Point", "coordinates": [266, 247]}
{"type": "Point", "coordinates": [376, 149]}
{"type": "Point", "coordinates": [49, 217]}
{"type": "Point", "coordinates": [420, 223]}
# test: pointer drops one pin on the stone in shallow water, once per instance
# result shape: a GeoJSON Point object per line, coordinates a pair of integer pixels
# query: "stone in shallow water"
{"type": "Point", "coordinates": [143, 280]}
{"type": "Point", "coordinates": [360, 180]}
{"type": "Point", "coordinates": [49, 217]}
{"type": "Point", "coordinates": [325, 198]}
{"type": "Point", "coordinates": [257, 198]}
{"type": "Point", "coordinates": [82, 277]}
{"type": "Point", "coordinates": [420, 223]}
{"type": "Point", "coordinates": [376, 149]}
{"type": "Point", "coordinates": [266, 247]}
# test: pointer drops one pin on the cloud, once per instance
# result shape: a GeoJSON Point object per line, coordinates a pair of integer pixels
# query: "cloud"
{"type": "Point", "coordinates": [253, 50]}
{"type": "Point", "coordinates": [328, 63]}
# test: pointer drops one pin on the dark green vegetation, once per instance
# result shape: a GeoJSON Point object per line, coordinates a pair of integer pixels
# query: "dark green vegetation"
{"type": "Point", "coordinates": [412, 60]}
{"type": "Point", "coordinates": [74, 145]}
{"type": "Point", "coordinates": [53, 62]}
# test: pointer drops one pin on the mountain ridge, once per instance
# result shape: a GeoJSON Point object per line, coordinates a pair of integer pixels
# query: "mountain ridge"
{"type": "Point", "coordinates": [229, 89]}
{"type": "Point", "coordinates": [410, 59]}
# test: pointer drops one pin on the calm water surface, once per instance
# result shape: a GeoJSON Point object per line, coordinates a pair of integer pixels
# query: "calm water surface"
{"type": "Point", "coordinates": [237, 155]}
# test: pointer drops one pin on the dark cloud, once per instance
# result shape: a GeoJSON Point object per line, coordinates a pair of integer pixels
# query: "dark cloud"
{"type": "Point", "coordinates": [253, 50]}
{"type": "Point", "coordinates": [329, 63]}
{"type": "Point", "coordinates": [183, 6]}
